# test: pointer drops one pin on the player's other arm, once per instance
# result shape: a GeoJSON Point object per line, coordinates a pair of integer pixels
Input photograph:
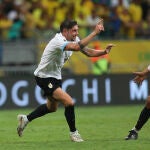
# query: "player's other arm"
{"type": "Point", "coordinates": [144, 72]}
{"type": "Point", "coordinates": [95, 53]}
{"type": "Point", "coordinates": [73, 46]}
{"type": "Point", "coordinates": [140, 76]}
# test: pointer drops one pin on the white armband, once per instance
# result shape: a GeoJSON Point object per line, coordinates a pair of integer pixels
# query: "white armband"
{"type": "Point", "coordinates": [148, 68]}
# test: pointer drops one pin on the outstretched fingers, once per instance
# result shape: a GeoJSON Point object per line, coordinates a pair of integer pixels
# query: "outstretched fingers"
{"type": "Point", "coordinates": [100, 25]}
{"type": "Point", "coordinates": [138, 78]}
{"type": "Point", "coordinates": [111, 45]}
{"type": "Point", "coordinates": [108, 48]}
{"type": "Point", "coordinates": [101, 21]}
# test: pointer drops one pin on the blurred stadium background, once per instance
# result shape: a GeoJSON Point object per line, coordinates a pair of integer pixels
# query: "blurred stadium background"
{"type": "Point", "coordinates": [27, 25]}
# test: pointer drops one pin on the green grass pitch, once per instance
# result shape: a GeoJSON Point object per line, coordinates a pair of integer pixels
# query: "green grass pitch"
{"type": "Point", "coordinates": [103, 128]}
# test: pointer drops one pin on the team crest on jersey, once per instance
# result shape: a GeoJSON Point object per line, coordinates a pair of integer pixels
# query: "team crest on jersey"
{"type": "Point", "coordinates": [50, 85]}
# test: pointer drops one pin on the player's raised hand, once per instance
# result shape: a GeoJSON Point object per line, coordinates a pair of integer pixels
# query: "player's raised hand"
{"type": "Point", "coordinates": [99, 27]}
{"type": "Point", "coordinates": [101, 21]}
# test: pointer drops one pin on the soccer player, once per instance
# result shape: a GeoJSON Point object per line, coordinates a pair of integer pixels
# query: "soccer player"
{"type": "Point", "coordinates": [145, 113]}
{"type": "Point", "coordinates": [48, 73]}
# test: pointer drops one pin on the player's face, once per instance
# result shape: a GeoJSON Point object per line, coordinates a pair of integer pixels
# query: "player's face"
{"type": "Point", "coordinates": [72, 33]}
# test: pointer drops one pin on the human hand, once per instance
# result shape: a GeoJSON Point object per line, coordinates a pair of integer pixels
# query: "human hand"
{"type": "Point", "coordinates": [108, 48]}
{"type": "Point", "coordinates": [140, 76]}
{"type": "Point", "coordinates": [99, 27]}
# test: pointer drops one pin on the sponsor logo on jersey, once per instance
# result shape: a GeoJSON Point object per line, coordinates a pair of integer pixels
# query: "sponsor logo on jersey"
{"type": "Point", "coordinates": [50, 85]}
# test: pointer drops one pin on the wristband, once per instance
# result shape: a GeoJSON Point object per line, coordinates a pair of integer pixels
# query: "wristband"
{"type": "Point", "coordinates": [81, 45]}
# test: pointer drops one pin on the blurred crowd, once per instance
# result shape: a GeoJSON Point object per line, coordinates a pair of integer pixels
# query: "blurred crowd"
{"type": "Point", "coordinates": [24, 19]}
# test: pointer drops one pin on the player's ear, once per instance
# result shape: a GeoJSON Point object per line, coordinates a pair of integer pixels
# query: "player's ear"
{"type": "Point", "coordinates": [64, 30]}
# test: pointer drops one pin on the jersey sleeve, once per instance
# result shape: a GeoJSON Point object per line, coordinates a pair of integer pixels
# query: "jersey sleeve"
{"type": "Point", "coordinates": [64, 45]}
{"type": "Point", "coordinates": [60, 42]}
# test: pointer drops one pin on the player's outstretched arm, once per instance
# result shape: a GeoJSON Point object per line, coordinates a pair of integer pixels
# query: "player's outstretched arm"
{"type": "Point", "coordinates": [95, 53]}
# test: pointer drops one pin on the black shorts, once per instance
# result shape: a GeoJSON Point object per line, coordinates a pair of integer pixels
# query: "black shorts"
{"type": "Point", "coordinates": [48, 85]}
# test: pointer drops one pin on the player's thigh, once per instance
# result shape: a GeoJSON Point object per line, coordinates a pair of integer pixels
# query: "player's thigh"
{"type": "Point", "coordinates": [52, 104]}
{"type": "Point", "coordinates": [63, 97]}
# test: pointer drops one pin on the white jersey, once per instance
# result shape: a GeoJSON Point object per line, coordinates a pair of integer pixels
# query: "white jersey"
{"type": "Point", "coordinates": [53, 58]}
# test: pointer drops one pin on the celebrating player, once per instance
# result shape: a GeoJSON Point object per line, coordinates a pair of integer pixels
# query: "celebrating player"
{"type": "Point", "coordinates": [48, 73]}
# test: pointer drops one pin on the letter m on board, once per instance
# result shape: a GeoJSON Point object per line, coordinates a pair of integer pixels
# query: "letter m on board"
{"type": "Point", "coordinates": [138, 92]}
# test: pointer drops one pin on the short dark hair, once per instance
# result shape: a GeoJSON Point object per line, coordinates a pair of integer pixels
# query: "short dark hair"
{"type": "Point", "coordinates": [67, 24]}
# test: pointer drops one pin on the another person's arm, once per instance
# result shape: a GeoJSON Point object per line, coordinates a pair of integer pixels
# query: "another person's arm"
{"type": "Point", "coordinates": [140, 76]}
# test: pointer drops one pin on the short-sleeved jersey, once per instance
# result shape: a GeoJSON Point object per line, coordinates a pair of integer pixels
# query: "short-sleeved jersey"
{"type": "Point", "coordinates": [54, 57]}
